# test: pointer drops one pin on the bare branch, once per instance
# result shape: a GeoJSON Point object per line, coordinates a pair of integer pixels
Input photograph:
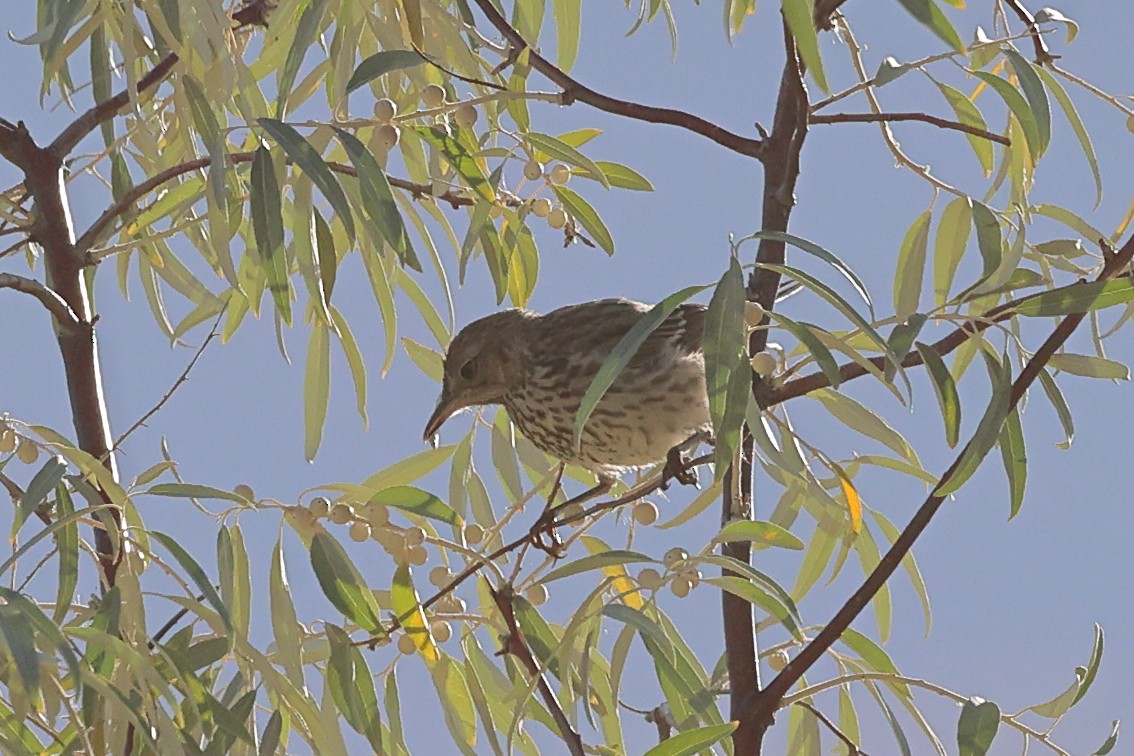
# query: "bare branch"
{"type": "Point", "coordinates": [943, 123]}
{"type": "Point", "coordinates": [1043, 54]}
{"type": "Point", "coordinates": [48, 297]}
{"type": "Point", "coordinates": [852, 747]}
{"type": "Point", "coordinates": [573, 90]}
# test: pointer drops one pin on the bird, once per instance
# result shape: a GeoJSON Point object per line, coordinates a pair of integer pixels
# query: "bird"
{"type": "Point", "coordinates": [539, 367]}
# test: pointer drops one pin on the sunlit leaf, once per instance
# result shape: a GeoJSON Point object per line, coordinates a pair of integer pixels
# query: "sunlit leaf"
{"type": "Point", "coordinates": [977, 727]}
{"type": "Point", "coordinates": [316, 389]}
{"type": "Point", "coordinates": [342, 583]}
{"type": "Point", "coordinates": [382, 63]}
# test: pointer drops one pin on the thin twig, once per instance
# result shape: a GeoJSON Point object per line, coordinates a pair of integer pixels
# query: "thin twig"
{"type": "Point", "coordinates": [943, 123]}
{"type": "Point", "coordinates": [573, 90]}
{"type": "Point", "coordinates": [852, 747]}
{"type": "Point", "coordinates": [516, 645]}
{"type": "Point", "coordinates": [1043, 54]}
{"type": "Point", "coordinates": [48, 297]}
{"type": "Point", "coordinates": [176, 384]}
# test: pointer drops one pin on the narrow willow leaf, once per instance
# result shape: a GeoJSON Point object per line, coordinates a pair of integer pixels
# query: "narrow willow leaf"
{"type": "Point", "coordinates": [1083, 296]}
{"type": "Point", "coordinates": [968, 114]}
{"type": "Point", "coordinates": [1071, 220]}
{"type": "Point", "coordinates": [1020, 108]}
{"type": "Point", "coordinates": [378, 199]}
{"type": "Point", "coordinates": [811, 248]}
{"type": "Point", "coordinates": [568, 17]}
{"type": "Point", "coordinates": [192, 491]}
{"type": "Point", "coordinates": [456, 704]}
{"type": "Point", "coordinates": [352, 686]}
{"type": "Point", "coordinates": [41, 484]}
{"type": "Point", "coordinates": [759, 534]}
{"type": "Point", "coordinates": [309, 159]}
{"type": "Point", "coordinates": [19, 642]}
{"type": "Point", "coordinates": [416, 501]}
{"type": "Point", "coordinates": [1015, 459]}
{"type": "Point", "coordinates": [725, 357]}
{"type": "Point", "coordinates": [267, 225]}
{"type": "Point", "coordinates": [597, 561]}
{"type": "Point", "coordinates": [930, 16]}
{"type": "Point", "coordinates": [902, 339]}
{"type": "Point", "coordinates": [977, 726]}
{"type": "Point", "coordinates": [582, 211]}
{"type": "Point", "coordinates": [200, 579]}
{"type": "Point", "coordinates": [342, 583]}
{"type": "Point", "coordinates": [1033, 90]}
{"type": "Point", "coordinates": [799, 15]}
{"type": "Point", "coordinates": [354, 360]}
{"type": "Point", "coordinates": [623, 352]}
{"type": "Point", "coordinates": [864, 420]}
{"type": "Point", "coordinates": [504, 455]}
{"type": "Point", "coordinates": [382, 63]}
{"type": "Point", "coordinates": [910, 564]}
{"type": "Point", "coordinates": [1089, 366]}
{"type": "Point", "coordinates": [624, 587]}
{"type": "Point", "coordinates": [1058, 706]}
{"type": "Point", "coordinates": [407, 608]}
{"type": "Point", "coordinates": [1092, 668]}
{"type": "Point", "coordinates": [552, 148]}
{"type": "Point", "coordinates": [988, 238]}
{"type": "Point", "coordinates": [429, 361]}
{"type": "Point", "coordinates": [689, 742]}
{"type": "Point", "coordinates": [1077, 126]}
{"type": "Point", "coordinates": [1110, 742]}
{"type": "Point", "coordinates": [987, 432]}
{"type": "Point", "coordinates": [946, 390]}
{"type": "Point", "coordinates": [316, 389]}
{"type": "Point", "coordinates": [285, 623]}
{"type": "Point", "coordinates": [621, 177]}
{"type": "Point", "coordinates": [757, 596]}
{"type": "Point", "coordinates": [910, 269]}
{"type": "Point", "coordinates": [854, 501]}
{"type": "Point", "coordinates": [1055, 396]}
{"type": "Point", "coordinates": [67, 544]}
{"type": "Point", "coordinates": [455, 153]}
{"type": "Point", "coordinates": [804, 332]}
{"type": "Point", "coordinates": [306, 32]}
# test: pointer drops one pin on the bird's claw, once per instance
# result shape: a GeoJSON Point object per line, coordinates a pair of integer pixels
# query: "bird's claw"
{"type": "Point", "coordinates": [675, 468]}
{"type": "Point", "coordinates": [544, 536]}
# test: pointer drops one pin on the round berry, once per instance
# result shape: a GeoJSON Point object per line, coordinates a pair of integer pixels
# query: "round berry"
{"type": "Point", "coordinates": [650, 579]}
{"type": "Point", "coordinates": [537, 594]}
{"type": "Point", "coordinates": [559, 174]}
{"type": "Point", "coordinates": [388, 136]}
{"type": "Point", "coordinates": [541, 207]}
{"type": "Point", "coordinates": [474, 534]}
{"type": "Point", "coordinates": [680, 586]}
{"type": "Point", "coordinates": [341, 513]}
{"type": "Point", "coordinates": [778, 659]}
{"type": "Point", "coordinates": [245, 491]}
{"type": "Point", "coordinates": [390, 540]}
{"type": "Point", "coordinates": [645, 513]}
{"type": "Point", "coordinates": [385, 110]}
{"type": "Point", "coordinates": [359, 530]}
{"type": "Point", "coordinates": [27, 451]}
{"type": "Point", "coordinates": [416, 555]}
{"type": "Point", "coordinates": [376, 514]}
{"type": "Point", "coordinates": [674, 555]}
{"type": "Point", "coordinates": [557, 218]}
{"type": "Point", "coordinates": [319, 506]}
{"type": "Point", "coordinates": [415, 536]}
{"type": "Point", "coordinates": [7, 440]}
{"type": "Point", "coordinates": [440, 576]}
{"type": "Point", "coordinates": [406, 645]}
{"type": "Point", "coordinates": [533, 170]}
{"type": "Point", "coordinates": [440, 630]}
{"type": "Point", "coordinates": [763, 364]}
{"type": "Point", "coordinates": [433, 96]}
{"type": "Point", "coordinates": [753, 314]}
{"type": "Point", "coordinates": [465, 116]}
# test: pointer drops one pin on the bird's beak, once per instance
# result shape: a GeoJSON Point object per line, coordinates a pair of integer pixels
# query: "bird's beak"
{"type": "Point", "coordinates": [446, 406]}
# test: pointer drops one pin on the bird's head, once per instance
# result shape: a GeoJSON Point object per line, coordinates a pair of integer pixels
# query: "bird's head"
{"type": "Point", "coordinates": [484, 363]}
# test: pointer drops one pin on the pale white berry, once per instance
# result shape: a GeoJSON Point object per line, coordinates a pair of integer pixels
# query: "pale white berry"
{"type": "Point", "coordinates": [495, 211]}
{"type": "Point", "coordinates": [433, 96]}
{"type": "Point", "coordinates": [778, 659]}
{"type": "Point", "coordinates": [557, 218]}
{"type": "Point", "coordinates": [693, 575]}
{"type": "Point", "coordinates": [385, 110]}
{"type": "Point", "coordinates": [359, 530]}
{"type": "Point", "coordinates": [541, 207]}
{"type": "Point", "coordinates": [474, 534]}
{"type": "Point", "coordinates": [440, 576]}
{"type": "Point", "coordinates": [645, 513]}
{"type": "Point", "coordinates": [376, 514]}
{"type": "Point", "coordinates": [7, 440]}
{"type": "Point", "coordinates": [27, 451]}
{"type": "Point", "coordinates": [415, 536]}
{"type": "Point", "coordinates": [680, 586]}
{"type": "Point", "coordinates": [533, 170]}
{"type": "Point", "coordinates": [341, 513]}
{"type": "Point", "coordinates": [455, 604]}
{"type": "Point", "coordinates": [440, 630]}
{"type": "Point", "coordinates": [465, 116]}
{"type": "Point", "coordinates": [537, 594]}
{"type": "Point", "coordinates": [319, 506]}
{"type": "Point", "coordinates": [674, 555]}
{"type": "Point", "coordinates": [650, 579]}
{"type": "Point", "coordinates": [388, 136]}
{"type": "Point", "coordinates": [244, 491]}
{"type": "Point", "coordinates": [406, 645]}
{"type": "Point", "coordinates": [763, 364]}
{"type": "Point", "coordinates": [390, 540]}
{"type": "Point", "coordinates": [416, 555]}
{"type": "Point", "coordinates": [559, 174]}
{"type": "Point", "coordinates": [753, 314]}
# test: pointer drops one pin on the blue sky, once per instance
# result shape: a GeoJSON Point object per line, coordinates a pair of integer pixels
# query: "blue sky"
{"type": "Point", "coordinates": [1013, 602]}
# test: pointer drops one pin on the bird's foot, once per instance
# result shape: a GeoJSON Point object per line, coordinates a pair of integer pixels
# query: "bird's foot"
{"type": "Point", "coordinates": [676, 469]}
{"type": "Point", "coordinates": [544, 536]}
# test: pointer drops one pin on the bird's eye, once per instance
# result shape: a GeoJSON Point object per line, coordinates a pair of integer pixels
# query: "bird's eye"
{"type": "Point", "coordinates": [468, 370]}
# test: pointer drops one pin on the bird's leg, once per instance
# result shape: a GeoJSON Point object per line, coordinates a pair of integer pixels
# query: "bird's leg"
{"type": "Point", "coordinates": [676, 466]}
{"type": "Point", "coordinates": [543, 535]}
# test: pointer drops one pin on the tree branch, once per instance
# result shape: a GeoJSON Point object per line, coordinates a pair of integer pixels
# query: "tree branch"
{"type": "Point", "coordinates": [49, 298]}
{"type": "Point", "coordinates": [943, 123]}
{"type": "Point", "coordinates": [516, 645]}
{"type": "Point", "coordinates": [852, 747]}
{"type": "Point", "coordinates": [770, 698]}
{"type": "Point", "coordinates": [1043, 54]}
{"type": "Point", "coordinates": [573, 90]}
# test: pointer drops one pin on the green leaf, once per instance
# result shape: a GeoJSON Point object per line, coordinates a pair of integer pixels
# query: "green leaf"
{"type": "Point", "coordinates": [1015, 459]}
{"type": "Point", "coordinates": [1058, 706]}
{"type": "Point", "coordinates": [822, 355]}
{"type": "Point", "coordinates": [457, 156]}
{"type": "Point", "coordinates": [988, 238]}
{"type": "Point", "coordinates": [429, 361]}
{"type": "Point", "coordinates": [285, 624]}
{"type": "Point", "coordinates": [382, 63]}
{"type": "Point", "coordinates": [623, 352]}
{"type": "Point", "coordinates": [200, 579]}
{"type": "Point", "coordinates": [1055, 396]}
{"type": "Point", "coordinates": [815, 250]}
{"type": "Point", "coordinates": [45, 479]}
{"type": "Point", "coordinates": [342, 584]}
{"type": "Point", "coordinates": [595, 562]}
{"type": "Point", "coordinates": [1110, 742]}
{"type": "Point", "coordinates": [910, 269]}
{"type": "Point", "coordinates": [1089, 366]}
{"type": "Point", "coordinates": [456, 703]}
{"type": "Point", "coordinates": [416, 501]}
{"type": "Point", "coordinates": [1020, 108]}
{"type": "Point", "coordinates": [760, 534]}
{"type": "Point", "coordinates": [754, 594]}
{"type": "Point", "coordinates": [378, 199]}
{"type": "Point", "coordinates": [727, 374]}
{"type": "Point", "coordinates": [987, 433]}
{"type": "Point", "coordinates": [946, 390]}
{"type": "Point", "coordinates": [1033, 89]}
{"type": "Point", "coordinates": [267, 226]}
{"type": "Point", "coordinates": [316, 389]}
{"type": "Point", "coordinates": [192, 491]}
{"type": "Point", "coordinates": [621, 177]}
{"type": "Point", "coordinates": [977, 727]}
{"type": "Point", "coordinates": [692, 741]}
{"type": "Point", "coordinates": [800, 16]}
{"type": "Point", "coordinates": [1082, 296]}
{"type": "Point", "coordinates": [18, 637]}
{"type": "Point", "coordinates": [558, 150]}
{"type": "Point", "coordinates": [930, 16]}
{"type": "Point", "coordinates": [407, 608]}
{"type": "Point", "coordinates": [1076, 122]}
{"type": "Point", "coordinates": [306, 32]}
{"type": "Point", "coordinates": [581, 210]}
{"type": "Point", "coordinates": [864, 420]}
{"type": "Point", "coordinates": [968, 114]}
{"type": "Point", "coordinates": [309, 159]}
{"type": "Point", "coordinates": [1092, 668]}
{"type": "Point", "coordinates": [354, 359]}
{"type": "Point", "coordinates": [568, 17]}
{"type": "Point", "coordinates": [352, 687]}
{"type": "Point", "coordinates": [67, 543]}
